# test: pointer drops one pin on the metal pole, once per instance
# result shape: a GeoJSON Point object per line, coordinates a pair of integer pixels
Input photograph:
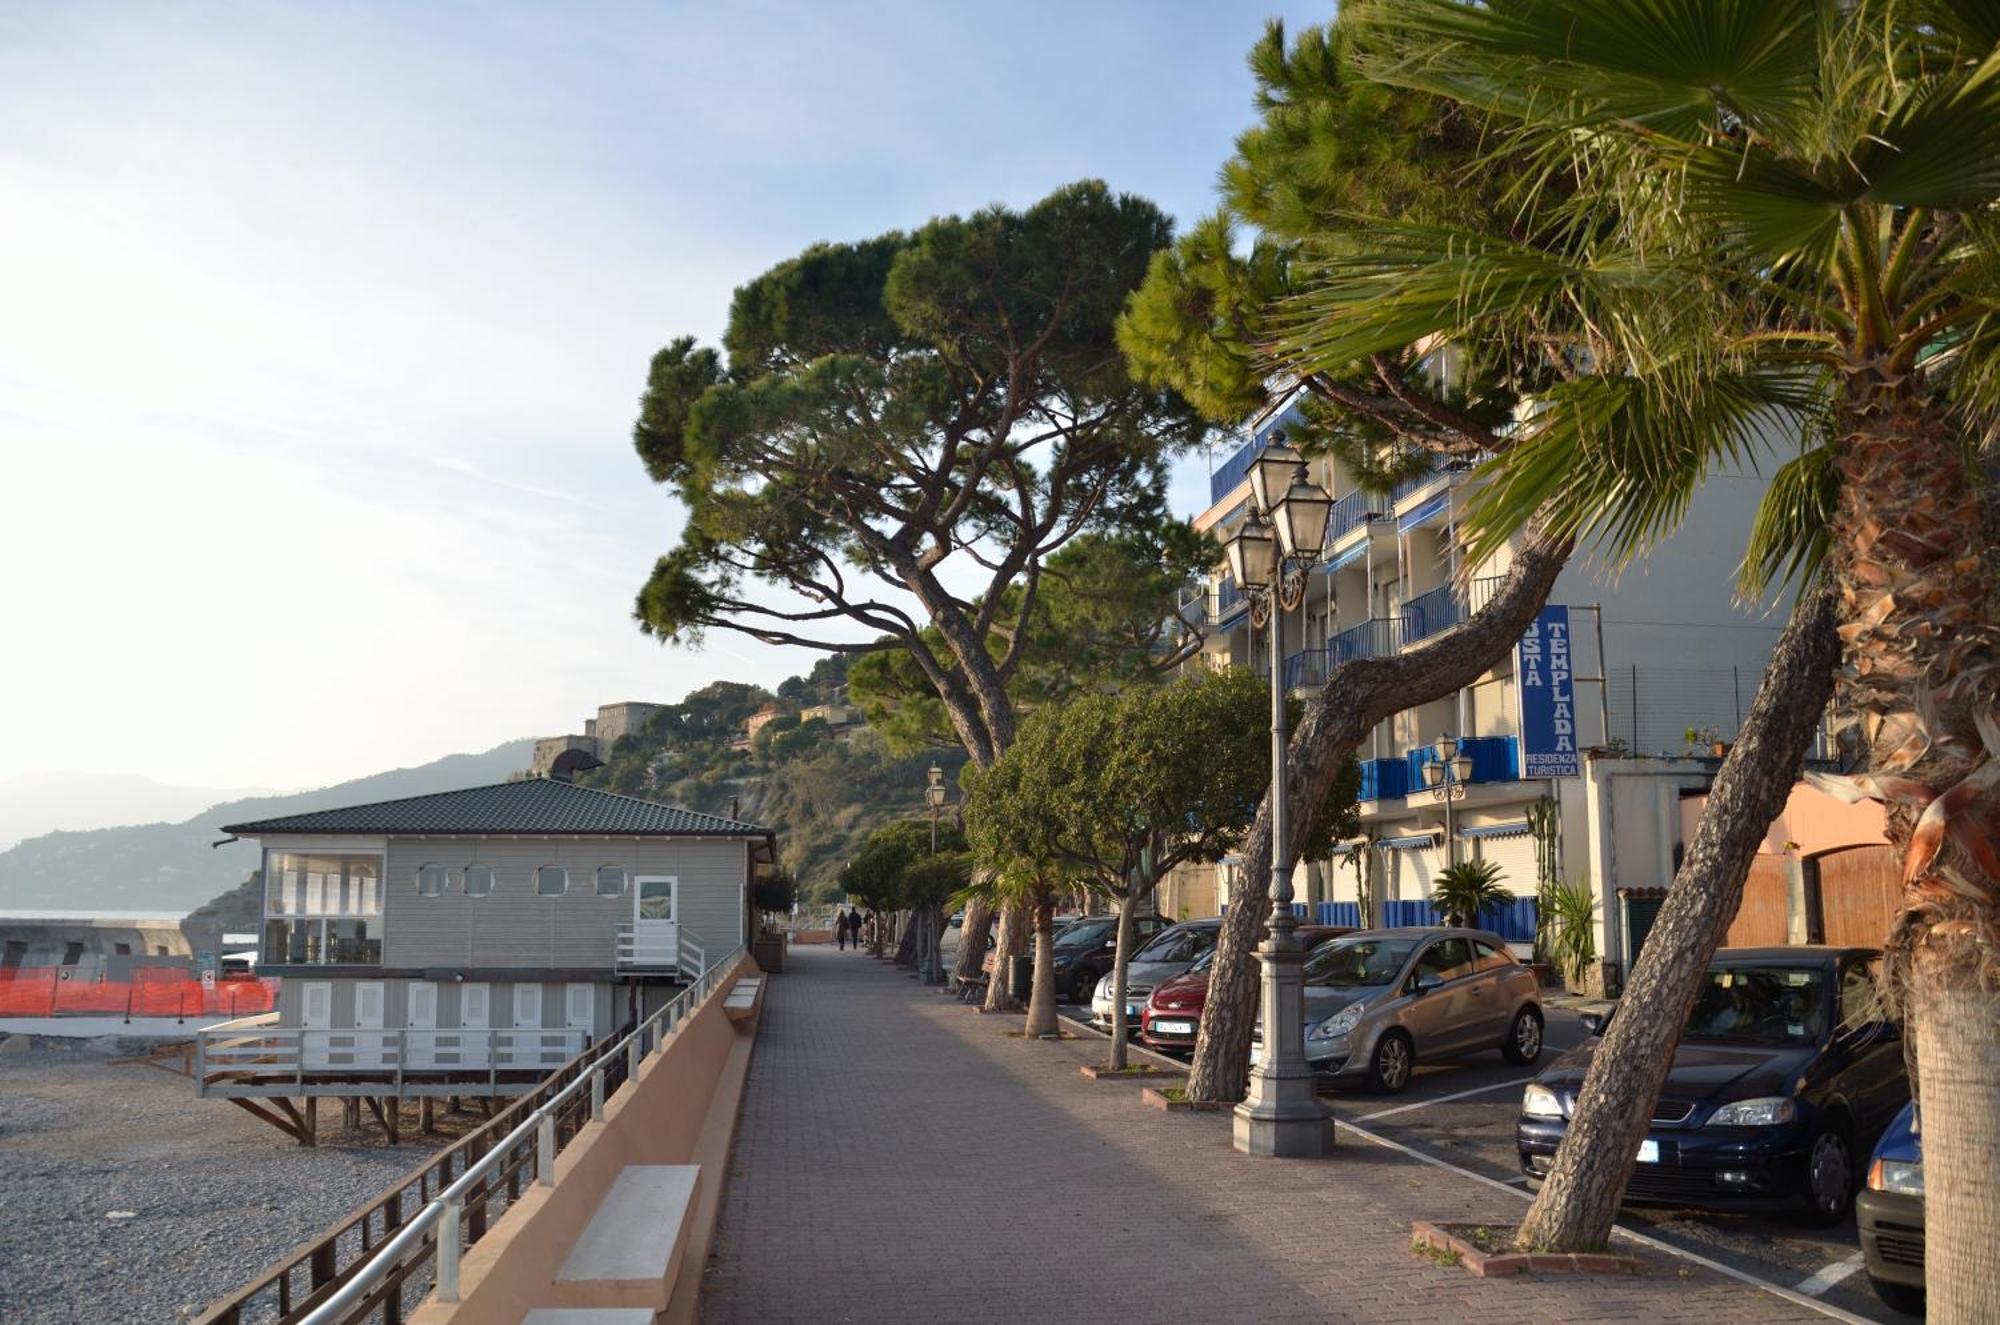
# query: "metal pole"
{"type": "Point", "coordinates": [447, 1251]}
{"type": "Point", "coordinates": [1450, 835]}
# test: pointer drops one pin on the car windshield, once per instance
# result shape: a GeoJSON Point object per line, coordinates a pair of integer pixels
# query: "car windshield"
{"type": "Point", "coordinates": [1203, 962]}
{"type": "Point", "coordinates": [1177, 945]}
{"type": "Point", "coordinates": [1351, 963]}
{"type": "Point", "coordinates": [1762, 1005]}
{"type": "Point", "coordinates": [1085, 934]}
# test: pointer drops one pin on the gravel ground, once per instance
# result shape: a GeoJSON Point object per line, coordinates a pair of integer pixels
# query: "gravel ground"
{"type": "Point", "coordinates": [215, 1195]}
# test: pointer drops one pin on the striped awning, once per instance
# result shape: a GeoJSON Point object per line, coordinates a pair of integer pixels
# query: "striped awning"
{"type": "Point", "coordinates": [1425, 513]}
{"type": "Point", "coordinates": [1347, 558]}
{"type": "Point", "coordinates": [1515, 828]}
{"type": "Point", "coordinates": [1408, 843]}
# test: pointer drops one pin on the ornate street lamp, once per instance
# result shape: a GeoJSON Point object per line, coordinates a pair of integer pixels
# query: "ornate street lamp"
{"type": "Point", "coordinates": [934, 795]}
{"type": "Point", "coordinates": [1270, 555]}
{"type": "Point", "coordinates": [1447, 776]}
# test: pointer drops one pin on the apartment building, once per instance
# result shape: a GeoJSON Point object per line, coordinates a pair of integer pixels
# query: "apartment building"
{"type": "Point", "coordinates": [1610, 706]}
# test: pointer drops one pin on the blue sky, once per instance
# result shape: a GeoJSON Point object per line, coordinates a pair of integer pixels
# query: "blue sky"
{"type": "Point", "coordinates": [325, 328]}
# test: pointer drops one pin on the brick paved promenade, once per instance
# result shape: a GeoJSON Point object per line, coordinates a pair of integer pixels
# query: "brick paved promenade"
{"type": "Point", "coordinates": [901, 1158]}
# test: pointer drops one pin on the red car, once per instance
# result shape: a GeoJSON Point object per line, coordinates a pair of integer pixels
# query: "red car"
{"type": "Point", "coordinates": [1173, 1013]}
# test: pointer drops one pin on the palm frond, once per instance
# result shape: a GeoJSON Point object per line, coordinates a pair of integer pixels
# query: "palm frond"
{"type": "Point", "coordinates": [1789, 536]}
{"type": "Point", "coordinates": [1940, 147]}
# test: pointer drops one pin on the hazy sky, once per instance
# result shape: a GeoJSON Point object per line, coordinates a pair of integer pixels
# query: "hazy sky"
{"type": "Point", "coordinates": [322, 328]}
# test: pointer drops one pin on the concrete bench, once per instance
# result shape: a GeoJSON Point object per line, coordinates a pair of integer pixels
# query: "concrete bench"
{"type": "Point", "coordinates": [589, 1316]}
{"type": "Point", "coordinates": [629, 1252]}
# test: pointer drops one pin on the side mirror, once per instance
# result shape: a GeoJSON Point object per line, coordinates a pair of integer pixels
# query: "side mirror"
{"type": "Point", "coordinates": [1427, 981]}
{"type": "Point", "coordinates": [1594, 1022]}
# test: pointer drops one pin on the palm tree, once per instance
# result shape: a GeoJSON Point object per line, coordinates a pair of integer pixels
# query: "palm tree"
{"type": "Point", "coordinates": [1791, 201]}
{"type": "Point", "coordinates": [1466, 888]}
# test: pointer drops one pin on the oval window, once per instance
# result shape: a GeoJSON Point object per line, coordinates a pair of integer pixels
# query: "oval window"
{"type": "Point", "coordinates": [611, 881]}
{"type": "Point", "coordinates": [552, 881]}
{"type": "Point", "coordinates": [430, 881]}
{"type": "Point", "coordinates": [478, 881]}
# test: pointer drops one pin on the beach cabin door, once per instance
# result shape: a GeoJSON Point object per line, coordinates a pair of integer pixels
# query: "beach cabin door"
{"type": "Point", "coordinates": [656, 931]}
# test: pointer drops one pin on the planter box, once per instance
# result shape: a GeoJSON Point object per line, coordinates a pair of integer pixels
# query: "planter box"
{"type": "Point", "coordinates": [1137, 1072]}
{"type": "Point", "coordinates": [1156, 1097]}
{"type": "Point", "coordinates": [769, 953]}
{"type": "Point", "coordinates": [1455, 1241]}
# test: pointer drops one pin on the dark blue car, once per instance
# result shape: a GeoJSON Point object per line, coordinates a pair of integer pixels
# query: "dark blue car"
{"type": "Point", "coordinates": [1890, 1213]}
{"type": "Point", "coordinates": [1787, 1072]}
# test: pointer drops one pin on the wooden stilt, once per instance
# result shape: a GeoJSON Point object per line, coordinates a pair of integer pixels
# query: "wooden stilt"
{"type": "Point", "coordinates": [285, 1118]}
{"type": "Point", "coordinates": [393, 1108]}
{"type": "Point", "coordinates": [310, 1107]}
{"type": "Point", "coordinates": [427, 1115]}
{"type": "Point", "coordinates": [350, 1114]}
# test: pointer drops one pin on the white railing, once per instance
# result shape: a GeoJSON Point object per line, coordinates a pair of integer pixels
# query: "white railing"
{"type": "Point", "coordinates": [661, 945]}
{"type": "Point", "coordinates": [447, 1211]}
{"type": "Point", "coordinates": [253, 1047]}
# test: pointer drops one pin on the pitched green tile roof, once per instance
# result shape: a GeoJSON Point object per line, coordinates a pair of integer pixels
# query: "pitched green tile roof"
{"type": "Point", "coordinates": [530, 807]}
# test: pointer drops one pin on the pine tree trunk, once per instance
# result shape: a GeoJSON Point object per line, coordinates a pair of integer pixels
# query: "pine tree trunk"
{"type": "Point", "coordinates": [1042, 1021]}
{"type": "Point", "coordinates": [1013, 941]}
{"type": "Point", "coordinates": [906, 946]}
{"type": "Point", "coordinates": [1128, 929]}
{"type": "Point", "coordinates": [1580, 1197]}
{"type": "Point", "coordinates": [970, 955]}
{"type": "Point", "coordinates": [1955, 1021]}
{"type": "Point", "coordinates": [1357, 696]}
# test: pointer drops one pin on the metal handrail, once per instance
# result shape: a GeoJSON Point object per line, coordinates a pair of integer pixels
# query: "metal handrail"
{"type": "Point", "coordinates": [447, 1208]}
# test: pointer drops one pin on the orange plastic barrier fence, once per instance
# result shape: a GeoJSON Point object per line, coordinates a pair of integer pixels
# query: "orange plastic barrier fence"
{"type": "Point", "coordinates": [41, 991]}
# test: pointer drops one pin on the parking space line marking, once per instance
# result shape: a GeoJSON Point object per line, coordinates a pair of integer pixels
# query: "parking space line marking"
{"type": "Point", "coordinates": [1829, 1275]}
{"type": "Point", "coordinates": [1729, 1271]}
{"type": "Point", "coordinates": [1445, 1099]}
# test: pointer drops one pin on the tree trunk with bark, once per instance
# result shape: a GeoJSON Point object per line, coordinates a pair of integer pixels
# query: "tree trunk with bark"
{"type": "Point", "coordinates": [970, 955]}
{"type": "Point", "coordinates": [1580, 1197]}
{"type": "Point", "coordinates": [1042, 1021]}
{"type": "Point", "coordinates": [1955, 1023]}
{"type": "Point", "coordinates": [1012, 942]}
{"type": "Point", "coordinates": [906, 945]}
{"type": "Point", "coordinates": [1356, 697]}
{"type": "Point", "coordinates": [1128, 928]}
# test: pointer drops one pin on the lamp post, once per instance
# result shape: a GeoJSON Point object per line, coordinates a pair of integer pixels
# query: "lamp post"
{"type": "Point", "coordinates": [1447, 776]}
{"type": "Point", "coordinates": [934, 794]}
{"type": "Point", "coordinates": [1269, 555]}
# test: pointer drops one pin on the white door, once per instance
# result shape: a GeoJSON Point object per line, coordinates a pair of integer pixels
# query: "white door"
{"type": "Point", "coordinates": [526, 1048]}
{"type": "Point", "coordinates": [655, 921]}
{"type": "Point", "coordinates": [474, 1013]}
{"type": "Point", "coordinates": [370, 1002]}
{"type": "Point", "coordinates": [420, 1039]}
{"type": "Point", "coordinates": [315, 1015]}
{"type": "Point", "coordinates": [580, 1008]}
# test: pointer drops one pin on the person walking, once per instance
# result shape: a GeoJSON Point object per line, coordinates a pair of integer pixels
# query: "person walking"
{"type": "Point", "coordinates": [854, 926]}
{"type": "Point", "coordinates": [840, 927]}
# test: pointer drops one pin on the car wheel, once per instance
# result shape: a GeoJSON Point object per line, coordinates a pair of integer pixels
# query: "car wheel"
{"type": "Point", "coordinates": [1389, 1067]}
{"type": "Point", "coordinates": [1829, 1178]}
{"type": "Point", "coordinates": [1524, 1038]}
{"type": "Point", "coordinates": [1898, 1297]}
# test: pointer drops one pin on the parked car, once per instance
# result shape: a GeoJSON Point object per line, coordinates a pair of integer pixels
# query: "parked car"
{"type": "Point", "coordinates": [1171, 951]}
{"type": "Point", "coordinates": [1083, 944]}
{"type": "Point", "coordinates": [1890, 1213]}
{"type": "Point", "coordinates": [1381, 1000]}
{"type": "Point", "coordinates": [1788, 1070]}
{"type": "Point", "coordinates": [1174, 1011]}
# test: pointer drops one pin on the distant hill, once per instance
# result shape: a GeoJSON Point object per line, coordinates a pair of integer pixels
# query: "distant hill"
{"type": "Point", "coordinates": [171, 866]}
{"type": "Point", "coordinates": [46, 802]}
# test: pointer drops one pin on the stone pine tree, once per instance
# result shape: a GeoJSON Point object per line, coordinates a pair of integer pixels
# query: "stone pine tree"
{"type": "Point", "coordinates": [898, 433]}
{"type": "Point", "coordinates": [1108, 616]}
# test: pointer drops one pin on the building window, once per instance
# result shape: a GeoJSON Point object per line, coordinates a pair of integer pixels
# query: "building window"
{"type": "Point", "coordinates": [430, 881]}
{"type": "Point", "coordinates": [322, 908]}
{"type": "Point", "coordinates": [611, 881]}
{"type": "Point", "coordinates": [551, 881]}
{"type": "Point", "coordinates": [121, 949]}
{"type": "Point", "coordinates": [478, 881]}
{"type": "Point", "coordinates": [72, 953]}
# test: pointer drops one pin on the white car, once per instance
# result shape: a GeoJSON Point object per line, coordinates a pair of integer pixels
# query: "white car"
{"type": "Point", "coordinates": [1170, 952]}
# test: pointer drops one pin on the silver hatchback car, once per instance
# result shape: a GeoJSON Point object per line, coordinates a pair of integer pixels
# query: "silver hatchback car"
{"type": "Point", "coordinates": [1380, 1000]}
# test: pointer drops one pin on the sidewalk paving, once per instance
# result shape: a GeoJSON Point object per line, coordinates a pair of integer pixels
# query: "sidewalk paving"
{"type": "Point", "coordinates": [901, 1158]}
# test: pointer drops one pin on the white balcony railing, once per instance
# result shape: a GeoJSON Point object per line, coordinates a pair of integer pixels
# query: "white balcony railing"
{"type": "Point", "coordinates": [661, 946]}
{"type": "Point", "coordinates": [256, 1051]}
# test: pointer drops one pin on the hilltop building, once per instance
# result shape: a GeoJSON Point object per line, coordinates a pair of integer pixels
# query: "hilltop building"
{"type": "Point", "coordinates": [599, 737]}
{"type": "Point", "coordinates": [1611, 707]}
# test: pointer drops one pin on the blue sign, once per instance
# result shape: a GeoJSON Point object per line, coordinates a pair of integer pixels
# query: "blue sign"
{"type": "Point", "coordinates": [1544, 671]}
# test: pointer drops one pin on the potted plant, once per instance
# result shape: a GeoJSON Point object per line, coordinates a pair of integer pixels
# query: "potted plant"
{"type": "Point", "coordinates": [1697, 737]}
{"type": "Point", "coordinates": [1572, 929]}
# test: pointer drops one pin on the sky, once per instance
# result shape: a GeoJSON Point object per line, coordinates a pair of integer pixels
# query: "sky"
{"type": "Point", "coordinates": [323, 329]}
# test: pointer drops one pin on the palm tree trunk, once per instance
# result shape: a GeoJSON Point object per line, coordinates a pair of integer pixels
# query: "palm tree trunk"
{"type": "Point", "coordinates": [1358, 695]}
{"type": "Point", "coordinates": [970, 955]}
{"type": "Point", "coordinates": [1580, 1197]}
{"type": "Point", "coordinates": [1128, 928]}
{"type": "Point", "coordinates": [1042, 1001]}
{"type": "Point", "coordinates": [1922, 668]}
{"type": "Point", "coordinates": [1013, 941]}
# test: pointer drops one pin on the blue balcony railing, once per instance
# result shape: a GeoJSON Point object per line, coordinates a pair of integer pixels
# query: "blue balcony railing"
{"type": "Point", "coordinates": [1233, 470]}
{"type": "Point", "coordinates": [1378, 637]}
{"type": "Point", "coordinates": [1494, 759]}
{"type": "Point", "coordinates": [1339, 913]}
{"type": "Point", "coordinates": [1349, 513]}
{"type": "Point", "coordinates": [1446, 606]}
{"type": "Point", "coordinates": [1306, 670]}
{"type": "Point", "coordinates": [1384, 778]}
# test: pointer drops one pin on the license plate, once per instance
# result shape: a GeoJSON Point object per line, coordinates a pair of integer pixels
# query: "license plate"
{"type": "Point", "coordinates": [1132, 1009]}
{"type": "Point", "coordinates": [1174, 1027]}
{"type": "Point", "coordinates": [1649, 1152]}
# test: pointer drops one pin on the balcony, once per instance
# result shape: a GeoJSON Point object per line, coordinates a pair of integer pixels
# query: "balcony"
{"type": "Point", "coordinates": [1445, 606]}
{"type": "Point", "coordinates": [1378, 637]}
{"type": "Point", "coordinates": [1384, 779]}
{"type": "Point", "coordinates": [1306, 670]}
{"type": "Point", "coordinates": [1494, 759]}
{"type": "Point", "coordinates": [659, 947]}
{"type": "Point", "coordinates": [1350, 513]}
{"type": "Point", "coordinates": [1234, 470]}
{"type": "Point", "coordinates": [254, 1056]}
